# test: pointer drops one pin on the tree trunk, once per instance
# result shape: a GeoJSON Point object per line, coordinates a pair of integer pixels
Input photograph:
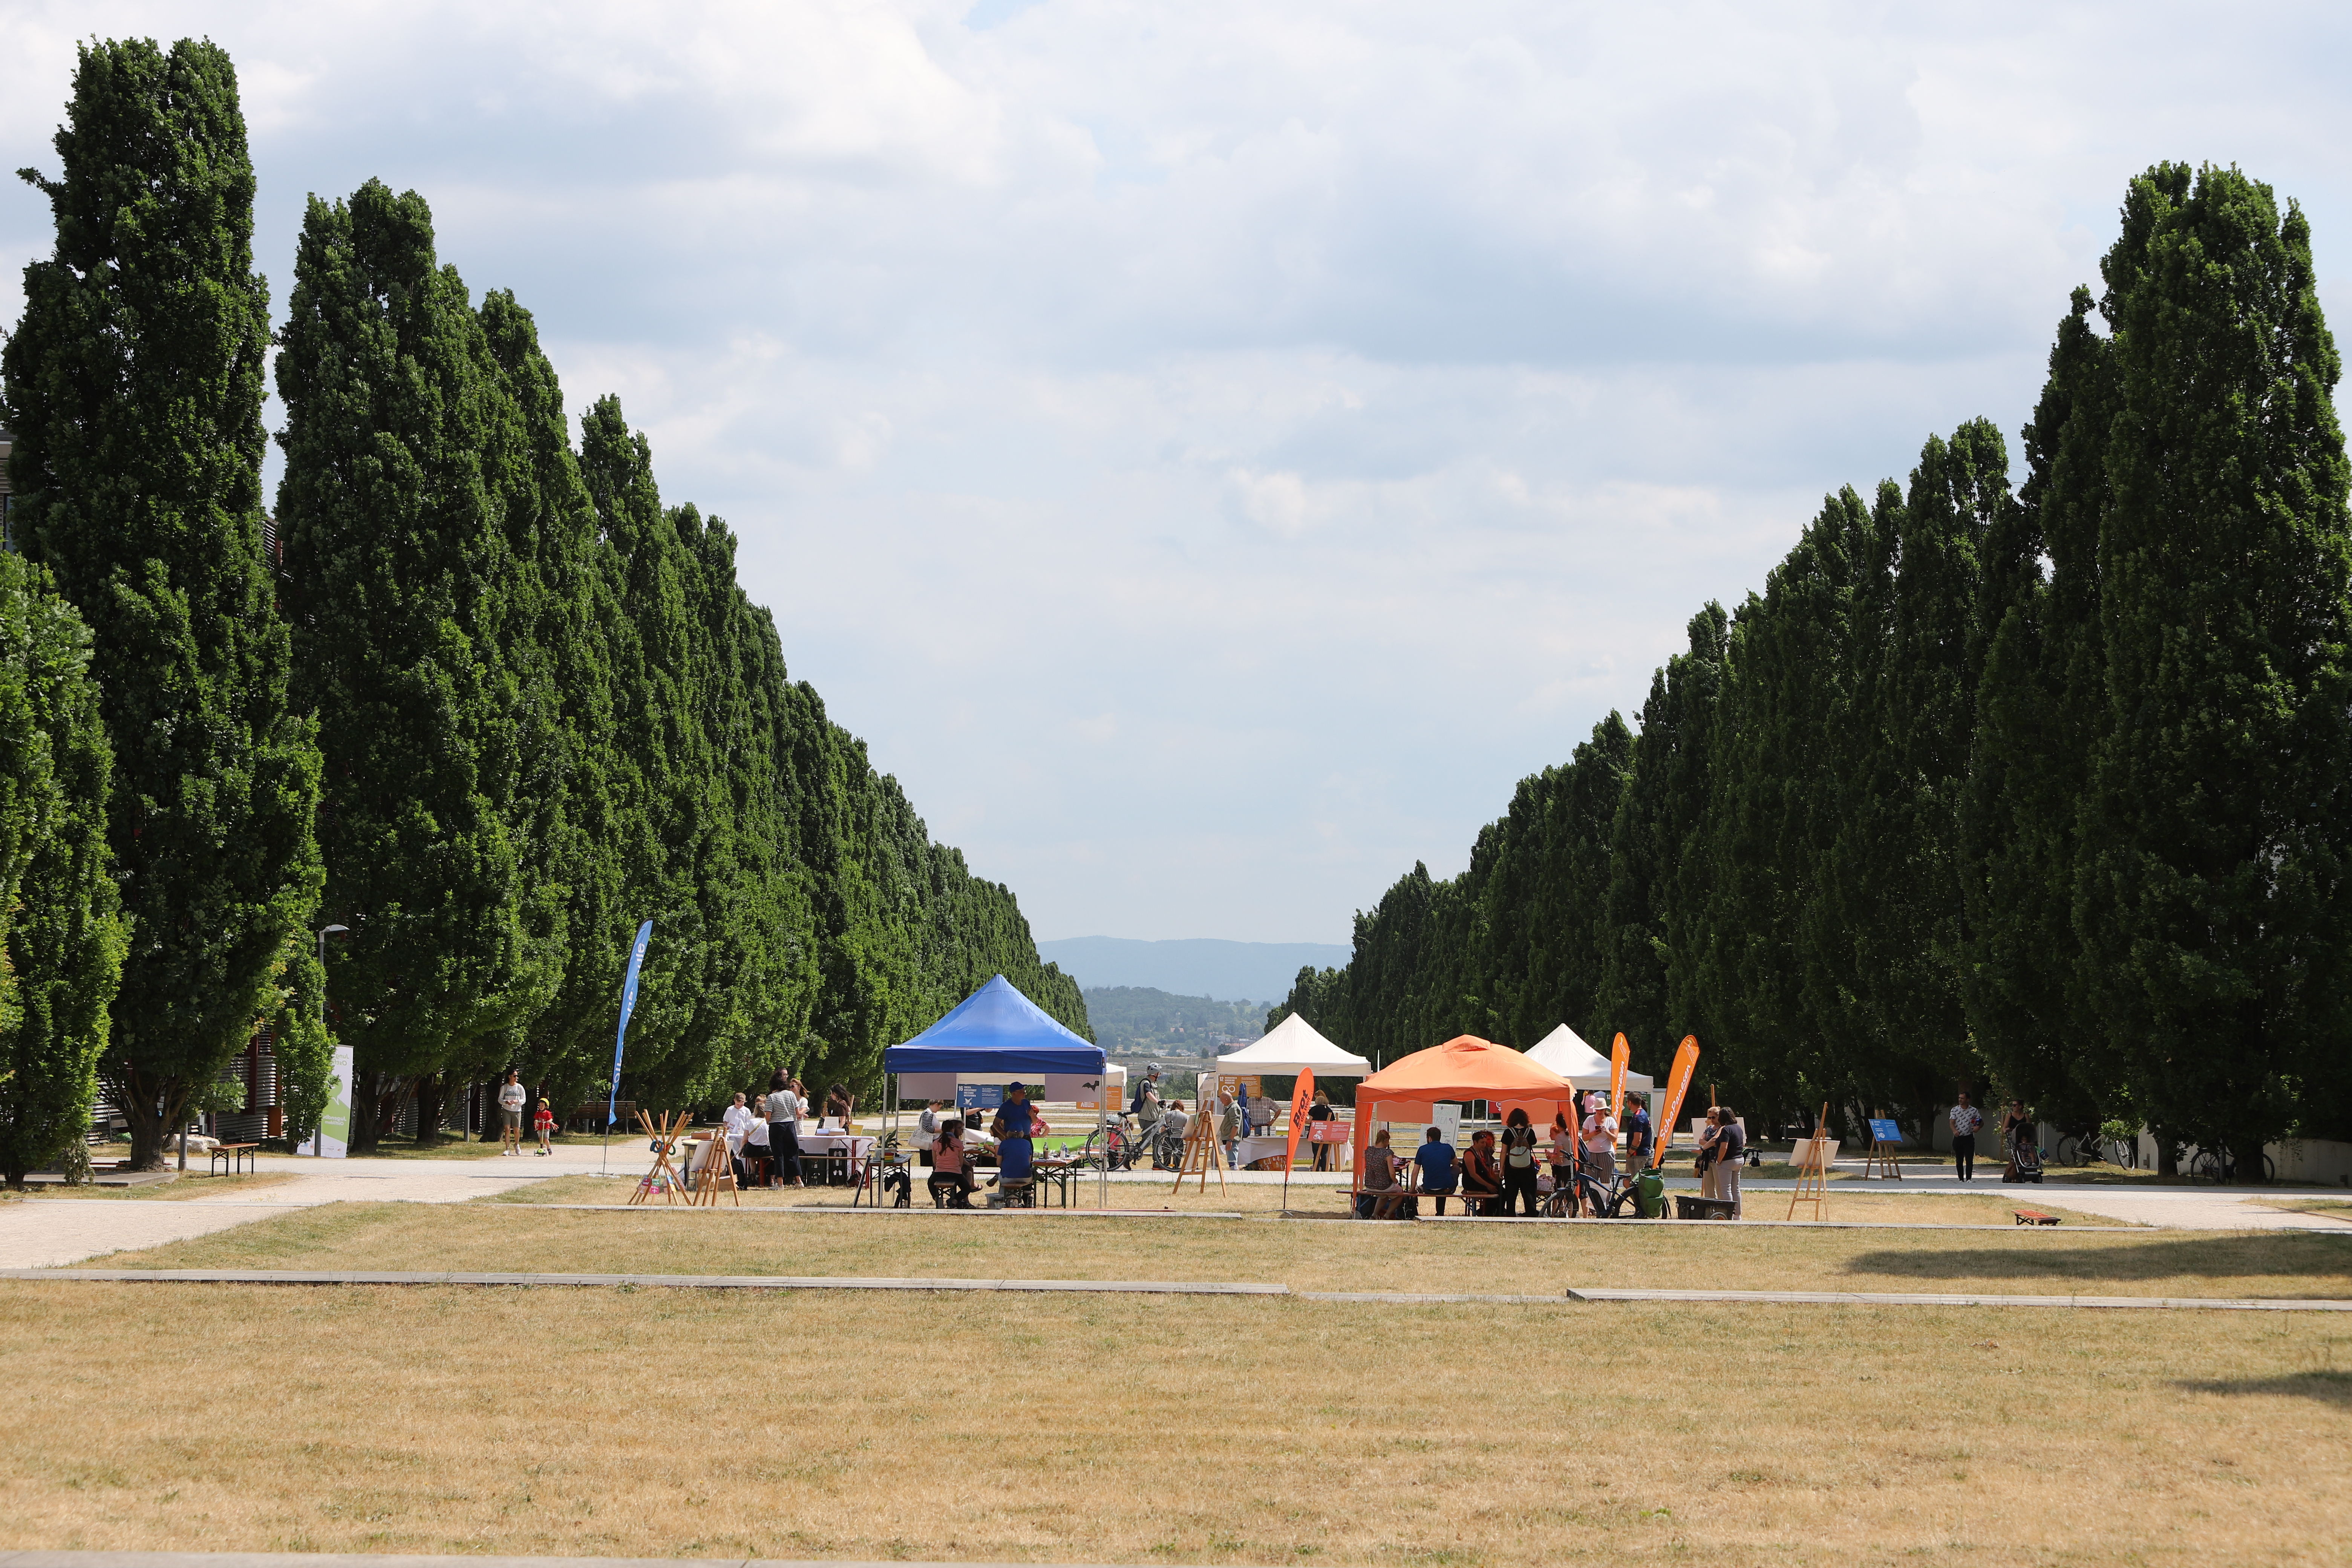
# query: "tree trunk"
{"type": "Point", "coordinates": [137, 1096]}
{"type": "Point", "coordinates": [429, 1092]}
{"type": "Point", "coordinates": [2167, 1156]}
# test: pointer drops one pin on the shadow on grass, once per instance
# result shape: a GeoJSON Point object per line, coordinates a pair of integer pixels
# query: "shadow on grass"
{"type": "Point", "coordinates": [2324, 1262]}
{"type": "Point", "coordinates": [2327, 1388]}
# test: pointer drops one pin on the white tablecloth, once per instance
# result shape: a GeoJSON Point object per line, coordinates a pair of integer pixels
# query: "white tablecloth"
{"type": "Point", "coordinates": [816, 1145]}
{"type": "Point", "coordinates": [1248, 1152]}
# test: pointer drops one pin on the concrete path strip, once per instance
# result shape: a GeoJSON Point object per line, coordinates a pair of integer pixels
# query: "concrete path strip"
{"type": "Point", "coordinates": [1920, 1299]}
{"type": "Point", "coordinates": [661, 1282]}
{"type": "Point", "coordinates": [1154, 1288]}
{"type": "Point", "coordinates": [395, 1560]}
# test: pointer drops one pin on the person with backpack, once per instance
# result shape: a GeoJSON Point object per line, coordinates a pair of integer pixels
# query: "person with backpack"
{"type": "Point", "coordinates": [1518, 1156]}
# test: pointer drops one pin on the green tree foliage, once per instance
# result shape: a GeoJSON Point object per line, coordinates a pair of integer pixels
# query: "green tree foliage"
{"type": "Point", "coordinates": [134, 390]}
{"type": "Point", "coordinates": [2040, 706]}
{"type": "Point", "coordinates": [60, 938]}
{"type": "Point", "coordinates": [2051, 788]}
{"type": "Point", "coordinates": [2212, 890]}
{"type": "Point", "coordinates": [413, 610]}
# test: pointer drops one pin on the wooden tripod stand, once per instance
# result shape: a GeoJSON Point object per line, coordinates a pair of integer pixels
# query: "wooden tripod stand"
{"type": "Point", "coordinates": [664, 1175]}
{"type": "Point", "coordinates": [1813, 1173]}
{"type": "Point", "coordinates": [1202, 1152]}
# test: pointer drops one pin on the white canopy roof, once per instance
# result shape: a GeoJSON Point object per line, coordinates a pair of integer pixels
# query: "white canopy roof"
{"type": "Point", "coordinates": [1294, 1046]}
{"type": "Point", "coordinates": [1565, 1052]}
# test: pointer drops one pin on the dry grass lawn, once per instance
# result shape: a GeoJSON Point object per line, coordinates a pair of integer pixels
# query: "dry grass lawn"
{"type": "Point", "coordinates": [1305, 1255]}
{"type": "Point", "coordinates": [1327, 1203]}
{"type": "Point", "coordinates": [674, 1423]}
{"type": "Point", "coordinates": [194, 1184]}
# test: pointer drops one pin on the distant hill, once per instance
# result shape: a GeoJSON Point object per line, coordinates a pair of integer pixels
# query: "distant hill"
{"type": "Point", "coordinates": [1198, 966]}
{"type": "Point", "coordinates": [1135, 1022]}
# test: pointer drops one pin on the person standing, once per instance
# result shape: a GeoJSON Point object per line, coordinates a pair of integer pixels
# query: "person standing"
{"type": "Point", "coordinates": [511, 1100]}
{"type": "Point", "coordinates": [1518, 1155]}
{"type": "Point", "coordinates": [1731, 1149]}
{"type": "Point", "coordinates": [1709, 1134]}
{"type": "Point", "coordinates": [1965, 1119]}
{"type": "Point", "coordinates": [1320, 1112]}
{"type": "Point", "coordinates": [757, 1167]}
{"type": "Point", "coordinates": [542, 1122]}
{"type": "Point", "coordinates": [1229, 1123]}
{"type": "Point", "coordinates": [1638, 1134]}
{"type": "Point", "coordinates": [737, 1119]}
{"type": "Point", "coordinates": [784, 1105]}
{"type": "Point", "coordinates": [1017, 1127]}
{"type": "Point", "coordinates": [1601, 1142]}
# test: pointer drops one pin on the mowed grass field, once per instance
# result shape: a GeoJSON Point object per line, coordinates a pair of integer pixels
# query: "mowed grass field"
{"type": "Point", "coordinates": [1128, 1429]}
{"type": "Point", "coordinates": [1325, 1202]}
{"type": "Point", "coordinates": [1304, 1255]}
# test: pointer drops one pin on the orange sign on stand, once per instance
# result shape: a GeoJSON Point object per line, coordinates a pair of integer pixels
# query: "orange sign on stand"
{"type": "Point", "coordinates": [1302, 1100]}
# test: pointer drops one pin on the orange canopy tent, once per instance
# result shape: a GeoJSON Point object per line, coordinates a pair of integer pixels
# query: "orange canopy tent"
{"type": "Point", "coordinates": [1464, 1068]}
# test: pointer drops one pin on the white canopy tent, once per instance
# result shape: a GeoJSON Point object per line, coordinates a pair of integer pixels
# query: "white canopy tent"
{"type": "Point", "coordinates": [1565, 1053]}
{"type": "Point", "coordinates": [1292, 1046]}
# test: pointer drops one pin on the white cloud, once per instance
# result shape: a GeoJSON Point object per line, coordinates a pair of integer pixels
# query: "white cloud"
{"type": "Point", "coordinates": [1213, 449]}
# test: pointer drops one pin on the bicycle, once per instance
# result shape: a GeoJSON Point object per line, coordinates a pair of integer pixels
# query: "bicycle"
{"type": "Point", "coordinates": [2217, 1165]}
{"type": "Point", "coordinates": [2081, 1146]}
{"type": "Point", "coordinates": [1113, 1144]}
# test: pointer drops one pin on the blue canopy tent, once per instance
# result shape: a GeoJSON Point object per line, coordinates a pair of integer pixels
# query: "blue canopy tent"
{"type": "Point", "coordinates": [995, 1030]}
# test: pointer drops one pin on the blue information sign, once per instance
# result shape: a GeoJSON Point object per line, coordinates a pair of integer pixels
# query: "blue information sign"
{"type": "Point", "coordinates": [980, 1097]}
{"type": "Point", "coordinates": [1884, 1129]}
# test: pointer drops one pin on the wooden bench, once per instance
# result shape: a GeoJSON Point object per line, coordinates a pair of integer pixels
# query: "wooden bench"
{"type": "Point", "coordinates": [232, 1154]}
{"type": "Point", "coordinates": [2034, 1216]}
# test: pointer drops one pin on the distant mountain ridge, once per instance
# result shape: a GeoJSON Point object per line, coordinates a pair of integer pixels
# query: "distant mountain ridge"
{"type": "Point", "coordinates": [1194, 966]}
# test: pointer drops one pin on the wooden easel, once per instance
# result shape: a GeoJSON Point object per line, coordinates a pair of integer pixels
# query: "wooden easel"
{"type": "Point", "coordinates": [1882, 1161]}
{"type": "Point", "coordinates": [1202, 1150]}
{"type": "Point", "coordinates": [665, 1138]}
{"type": "Point", "coordinates": [1813, 1174]}
{"type": "Point", "coordinates": [717, 1174]}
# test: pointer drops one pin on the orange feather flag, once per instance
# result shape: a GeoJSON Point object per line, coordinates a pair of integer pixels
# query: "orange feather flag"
{"type": "Point", "coordinates": [1302, 1100]}
{"type": "Point", "coordinates": [1678, 1084]}
{"type": "Point", "coordinates": [1621, 1057]}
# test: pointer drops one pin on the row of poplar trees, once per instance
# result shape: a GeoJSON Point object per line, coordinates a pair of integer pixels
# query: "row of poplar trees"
{"type": "Point", "coordinates": [2048, 790]}
{"type": "Point", "coordinates": [474, 693]}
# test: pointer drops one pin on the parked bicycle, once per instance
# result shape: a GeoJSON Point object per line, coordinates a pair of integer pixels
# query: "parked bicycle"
{"type": "Point", "coordinates": [2217, 1165]}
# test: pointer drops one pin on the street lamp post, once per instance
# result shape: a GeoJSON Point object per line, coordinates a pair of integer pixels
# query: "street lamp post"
{"type": "Point", "coordinates": [319, 1134]}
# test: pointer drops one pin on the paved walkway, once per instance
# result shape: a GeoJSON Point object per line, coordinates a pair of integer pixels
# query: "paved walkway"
{"type": "Point", "coordinates": [46, 1232]}
{"type": "Point", "coordinates": [396, 1560]}
{"type": "Point", "coordinates": [42, 1232]}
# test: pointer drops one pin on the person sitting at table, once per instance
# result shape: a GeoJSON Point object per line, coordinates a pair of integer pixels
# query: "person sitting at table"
{"type": "Point", "coordinates": [840, 1105]}
{"type": "Point", "coordinates": [738, 1119]}
{"type": "Point", "coordinates": [1438, 1172]}
{"type": "Point", "coordinates": [1482, 1176]}
{"type": "Point", "coordinates": [1016, 1128]}
{"type": "Point", "coordinates": [948, 1170]}
{"type": "Point", "coordinates": [1381, 1199]}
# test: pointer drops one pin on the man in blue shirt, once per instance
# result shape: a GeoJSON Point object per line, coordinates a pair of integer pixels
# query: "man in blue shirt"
{"type": "Point", "coordinates": [1014, 1148]}
{"type": "Point", "coordinates": [1435, 1158]}
{"type": "Point", "coordinates": [1637, 1136]}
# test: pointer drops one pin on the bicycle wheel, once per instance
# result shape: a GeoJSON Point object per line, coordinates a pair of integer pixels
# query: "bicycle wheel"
{"type": "Point", "coordinates": [2206, 1167]}
{"type": "Point", "coordinates": [2270, 1170]}
{"type": "Point", "coordinates": [2073, 1151]}
{"type": "Point", "coordinates": [1554, 1204]}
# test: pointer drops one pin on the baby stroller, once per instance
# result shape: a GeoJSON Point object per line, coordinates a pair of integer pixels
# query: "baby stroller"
{"type": "Point", "coordinates": [2024, 1162]}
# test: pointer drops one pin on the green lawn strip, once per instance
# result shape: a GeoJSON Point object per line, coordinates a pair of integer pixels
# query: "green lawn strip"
{"type": "Point", "coordinates": [1538, 1259]}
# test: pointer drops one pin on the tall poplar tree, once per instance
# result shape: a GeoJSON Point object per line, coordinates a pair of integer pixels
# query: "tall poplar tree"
{"type": "Point", "coordinates": [402, 585]}
{"type": "Point", "coordinates": [2214, 893]}
{"type": "Point", "coordinates": [2041, 705]}
{"type": "Point", "coordinates": [134, 389]}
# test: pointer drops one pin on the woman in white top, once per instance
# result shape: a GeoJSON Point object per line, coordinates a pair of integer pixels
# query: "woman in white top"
{"type": "Point", "coordinates": [738, 1121]}
{"type": "Point", "coordinates": [1601, 1142]}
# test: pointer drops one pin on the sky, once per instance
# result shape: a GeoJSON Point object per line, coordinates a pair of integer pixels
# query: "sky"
{"type": "Point", "coordinates": [1211, 451]}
